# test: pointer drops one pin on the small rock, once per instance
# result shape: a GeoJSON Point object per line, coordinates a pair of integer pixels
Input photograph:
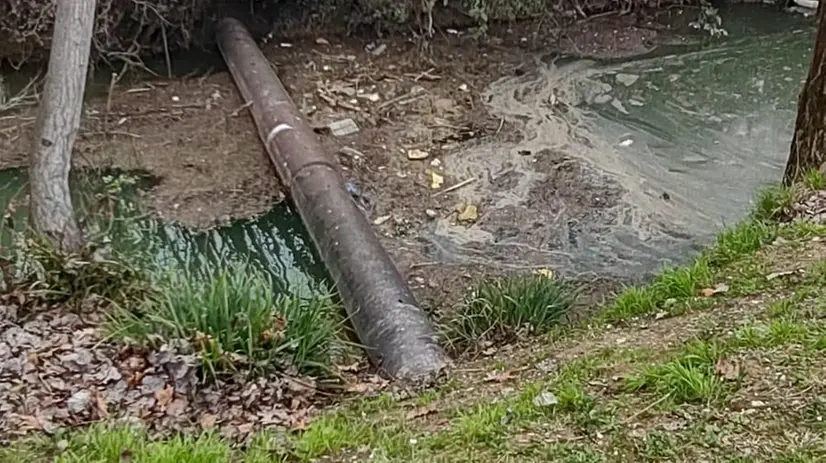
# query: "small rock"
{"type": "Point", "coordinates": [469, 214]}
{"type": "Point", "coordinates": [79, 401]}
{"type": "Point", "coordinates": [417, 154]}
{"type": "Point", "coordinates": [545, 399]}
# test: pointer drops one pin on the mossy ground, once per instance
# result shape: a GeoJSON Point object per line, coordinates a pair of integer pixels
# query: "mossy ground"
{"type": "Point", "coordinates": [720, 360]}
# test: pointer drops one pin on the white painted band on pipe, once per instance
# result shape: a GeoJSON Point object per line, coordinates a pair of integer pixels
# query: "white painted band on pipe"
{"type": "Point", "coordinates": [278, 129]}
{"type": "Point", "coordinates": [811, 4]}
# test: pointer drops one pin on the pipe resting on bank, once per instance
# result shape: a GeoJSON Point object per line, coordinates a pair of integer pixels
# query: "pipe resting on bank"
{"type": "Point", "coordinates": [396, 333]}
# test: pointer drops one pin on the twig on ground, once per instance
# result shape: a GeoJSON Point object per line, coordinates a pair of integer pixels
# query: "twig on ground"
{"type": "Point", "coordinates": [456, 186]}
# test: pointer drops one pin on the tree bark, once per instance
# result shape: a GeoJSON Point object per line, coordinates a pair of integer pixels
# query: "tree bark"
{"type": "Point", "coordinates": [808, 150]}
{"type": "Point", "coordinates": [58, 120]}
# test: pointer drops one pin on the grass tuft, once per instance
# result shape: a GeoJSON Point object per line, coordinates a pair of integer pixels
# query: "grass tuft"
{"type": "Point", "coordinates": [689, 377]}
{"type": "Point", "coordinates": [500, 309]}
{"type": "Point", "coordinates": [232, 318]}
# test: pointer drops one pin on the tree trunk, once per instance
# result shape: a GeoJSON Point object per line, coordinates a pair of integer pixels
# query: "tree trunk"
{"type": "Point", "coordinates": [808, 150]}
{"type": "Point", "coordinates": [58, 120]}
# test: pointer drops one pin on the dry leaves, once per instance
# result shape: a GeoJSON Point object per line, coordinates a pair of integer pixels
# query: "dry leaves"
{"type": "Point", "coordinates": [708, 292]}
{"type": "Point", "coordinates": [727, 369]}
{"type": "Point", "coordinates": [56, 371]}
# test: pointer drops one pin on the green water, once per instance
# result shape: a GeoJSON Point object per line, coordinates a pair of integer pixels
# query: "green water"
{"type": "Point", "coordinates": [276, 242]}
{"type": "Point", "coordinates": [679, 141]}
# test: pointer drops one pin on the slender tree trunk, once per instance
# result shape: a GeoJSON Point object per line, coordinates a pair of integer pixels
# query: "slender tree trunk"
{"type": "Point", "coordinates": [808, 150]}
{"type": "Point", "coordinates": [57, 124]}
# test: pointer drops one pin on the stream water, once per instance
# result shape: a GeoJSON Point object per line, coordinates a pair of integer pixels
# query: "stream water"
{"type": "Point", "coordinates": [672, 146]}
{"type": "Point", "coordinates": [276, 243]}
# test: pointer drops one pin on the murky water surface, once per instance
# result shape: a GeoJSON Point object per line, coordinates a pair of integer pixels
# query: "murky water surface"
{"type": "Point", "coordinates": [276, 242]}
{"type": "Point", "coordinates": [670, 147]}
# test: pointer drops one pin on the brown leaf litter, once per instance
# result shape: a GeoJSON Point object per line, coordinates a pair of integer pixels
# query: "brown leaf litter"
{"type": "Point", "coordinates": [58, 371]}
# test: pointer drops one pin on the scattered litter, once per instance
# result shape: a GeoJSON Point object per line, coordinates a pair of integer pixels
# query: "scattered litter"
{"type": "Point", "coordinates": [469, 214]}
{"type": "Point", "coordinates": [626, 143]}
{"type": "Point", "coordinates": [435, 163]}
{"type": "Point", "coordinates": [436, 180]}
{"type": "Point", "coordinates": [545, 272]}
{"type": "Point", "coordinates": [378, 50]}
{"type": "Point", "coordinates": [721, 288]}
{"type": "Point", "coordinates": [371, 97]}
{"type": "Point", "coordinates": [430, 213]}
{"type": "Point", "coordinates": [727, 369]}
{"type": "Point", "coordinates": [322, 41]}
{"type": "Point", "coordinates": [417, 154]}
{"type": "Point", "coordinates": [452, 32]}
{"type": "Point", "coordinates": [285, 45]}
{"type": "Point", "coordinates": [176, 98]}
{"type": "Point", "coordinates": [774, 275]}
{"type": "Point", "coordinates": [464, 88]}
{"type": "Point", "coordinates": [343, 127]}
{"type": "Point", "coordinates": [382, 219]}
{"type": "Point", "coordinates": [545, 399]}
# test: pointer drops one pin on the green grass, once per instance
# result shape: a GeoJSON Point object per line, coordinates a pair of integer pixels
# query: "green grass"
{"type": "Point", "coordinates": [688, 377]}
{"type": "Point", "coordinates": [502, 308]}
{"type": "Point", "coordinates": [234, 320]}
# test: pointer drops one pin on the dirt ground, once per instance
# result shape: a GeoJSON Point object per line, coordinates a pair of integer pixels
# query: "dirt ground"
{"type": "Point", "coordinates": [409, 100]}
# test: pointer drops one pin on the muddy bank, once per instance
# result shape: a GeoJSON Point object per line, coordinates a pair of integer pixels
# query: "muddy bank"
{"type": "Point", "coordinates": [129, 31]}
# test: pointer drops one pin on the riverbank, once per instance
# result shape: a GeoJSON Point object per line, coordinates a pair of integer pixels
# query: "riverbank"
{"type": "Point", "coordinates": [718, 359]}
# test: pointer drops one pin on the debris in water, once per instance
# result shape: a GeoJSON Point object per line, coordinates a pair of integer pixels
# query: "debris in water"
{"type": "Point", "coordinates": [545, 399]}
{"type": "Point", "coordinates": [469, 214]}
{"type": "Point", "coordinates": [343, 127]}
{"type": "Point", "coordinates": [617, 104]}
{"type": "Point", "coordinates": [627, 79]}
{"type": "Point", "coordinates": [417, 154]}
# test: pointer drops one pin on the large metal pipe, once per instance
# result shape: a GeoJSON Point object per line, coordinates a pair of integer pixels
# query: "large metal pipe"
{"type": "Point", "coordinates": [395, 331]}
